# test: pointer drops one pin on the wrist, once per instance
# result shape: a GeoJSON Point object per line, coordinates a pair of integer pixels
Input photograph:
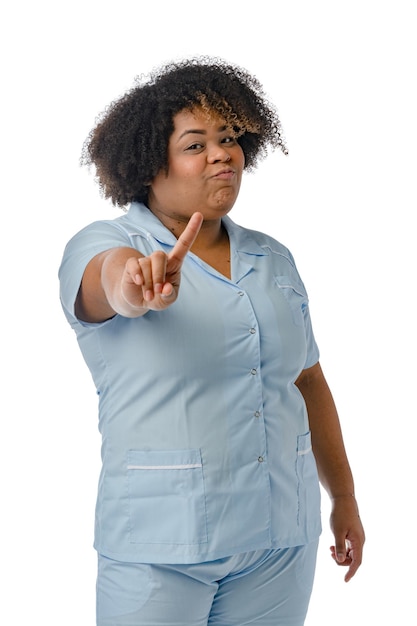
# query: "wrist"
{"type": "Point", "coordinates": [343, 495]}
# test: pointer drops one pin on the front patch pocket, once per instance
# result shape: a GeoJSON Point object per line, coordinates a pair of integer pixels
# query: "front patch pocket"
{"type": "Point", "coordinates": [166, 497]}
{"type": "Point", "coordinates": [308, 483]}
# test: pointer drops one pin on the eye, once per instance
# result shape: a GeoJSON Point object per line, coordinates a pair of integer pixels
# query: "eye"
{"type": "Point", "coordinates": [231, 139]}
{"type": "Point", "coordinates": [195, 146]}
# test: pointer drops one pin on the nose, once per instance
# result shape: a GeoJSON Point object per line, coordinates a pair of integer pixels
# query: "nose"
{"type": "Point", "coordinates": [218, 154]}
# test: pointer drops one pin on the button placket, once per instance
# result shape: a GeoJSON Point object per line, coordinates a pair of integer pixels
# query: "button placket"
{"type": "Point", "coordinates": [255, 372]}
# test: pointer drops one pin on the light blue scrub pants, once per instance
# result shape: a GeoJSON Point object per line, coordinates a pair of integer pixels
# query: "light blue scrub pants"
{"type": "Point", "coordinates": [262, 588]}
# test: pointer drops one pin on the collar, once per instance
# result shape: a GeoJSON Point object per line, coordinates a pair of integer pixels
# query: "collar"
{"type": "Point", "coordinates": [241, 239]}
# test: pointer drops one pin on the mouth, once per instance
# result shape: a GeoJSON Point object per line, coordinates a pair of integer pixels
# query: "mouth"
{"type": "Point", "coordinates": [226, 173]}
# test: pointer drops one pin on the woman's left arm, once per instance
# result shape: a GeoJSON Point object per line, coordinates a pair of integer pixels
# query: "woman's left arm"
{"type": "Point", "coordinates": [333, 468]}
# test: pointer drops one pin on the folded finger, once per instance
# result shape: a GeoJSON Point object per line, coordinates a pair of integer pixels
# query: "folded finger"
{"type": "Point", "coordinates": [158, 262]}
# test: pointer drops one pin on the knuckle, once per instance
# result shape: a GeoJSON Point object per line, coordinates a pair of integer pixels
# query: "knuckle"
{"type": "Point", "coordinates": [143, 261]}
{"type": "Point", "coordinates": [158, 255]}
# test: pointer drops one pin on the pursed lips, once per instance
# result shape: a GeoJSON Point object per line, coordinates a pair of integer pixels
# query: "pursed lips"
{"type": "Point", "coordinates": [224, 174]}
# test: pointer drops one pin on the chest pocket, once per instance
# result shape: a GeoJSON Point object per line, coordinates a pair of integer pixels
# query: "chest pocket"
{"type": "Point", "coordinates": [166, 497]}
{"type": "Point", "coordinates": [296, 297]}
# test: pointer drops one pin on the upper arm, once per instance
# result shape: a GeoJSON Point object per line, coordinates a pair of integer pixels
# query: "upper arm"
{"type": "Point", "coordinates": [308, 377]}
{"type": "Point", "coordinates": [317, 395]}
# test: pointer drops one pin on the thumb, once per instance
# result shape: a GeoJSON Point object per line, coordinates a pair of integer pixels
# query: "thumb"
{"type": "Point", "coordinates": [340, 551]}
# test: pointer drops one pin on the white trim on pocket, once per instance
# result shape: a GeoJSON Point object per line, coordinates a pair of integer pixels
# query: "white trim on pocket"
{"type": "Point", "coordinates": [306, 451]}
{"type": "Point", "coordinates": [165, 467]}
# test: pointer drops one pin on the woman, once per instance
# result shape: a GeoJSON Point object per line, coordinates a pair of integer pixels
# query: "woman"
{"type": "Point", "coordinates": [216, 419]}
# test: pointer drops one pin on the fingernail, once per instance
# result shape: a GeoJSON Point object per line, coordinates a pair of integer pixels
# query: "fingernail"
{"type": "Point", "coordinates": [164, 294]}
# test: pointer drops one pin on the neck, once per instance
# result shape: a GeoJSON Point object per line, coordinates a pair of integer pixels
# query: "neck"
{"type": "Point", "coordinates": [211, 236]}
{"type": "Point", "coordinates": [212, 246]}
{"type": "Point", "coordinates": [211, 233]}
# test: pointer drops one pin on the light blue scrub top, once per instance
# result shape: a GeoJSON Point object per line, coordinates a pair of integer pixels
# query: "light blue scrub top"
{"type": "Point", "coordinates": [206, 447]}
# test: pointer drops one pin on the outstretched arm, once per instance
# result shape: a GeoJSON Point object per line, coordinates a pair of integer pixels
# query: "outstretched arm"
{"type": "Point", "coordinates": [123, 281]}
{"type": "Point", "coordinates": [334, 470]}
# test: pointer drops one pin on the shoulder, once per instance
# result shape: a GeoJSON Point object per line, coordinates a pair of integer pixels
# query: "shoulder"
{"type": "Point", "coordinates": [116, 227]}
{"type": "Point", "coordinates": [105, 234]}
{"type": "Point", "coordinates": [278, 259]}
{"type": "Point", "coordinates": [271, 245]}
{"type": "Point", "coordinates": [250, 240]}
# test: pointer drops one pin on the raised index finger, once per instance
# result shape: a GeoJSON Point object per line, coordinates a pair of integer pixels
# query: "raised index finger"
{"type": "Point", "coordinates": [187, 238]}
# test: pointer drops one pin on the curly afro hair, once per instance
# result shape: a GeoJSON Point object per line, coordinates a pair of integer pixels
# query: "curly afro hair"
{"type": "Point", "coordinates": [129, 144]}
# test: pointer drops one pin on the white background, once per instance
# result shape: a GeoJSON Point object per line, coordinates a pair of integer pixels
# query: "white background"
{"type": "Point", "coordinates": [343, 75]}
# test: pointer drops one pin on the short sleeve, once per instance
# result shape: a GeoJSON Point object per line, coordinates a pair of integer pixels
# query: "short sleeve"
{"type": "Point", "coordinates": [84, 246]}
{"type": "Point", "coordinates": [313, 353]}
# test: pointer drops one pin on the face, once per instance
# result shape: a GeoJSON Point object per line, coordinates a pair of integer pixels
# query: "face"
{"type": "Point", "coordinates": [205, 165]}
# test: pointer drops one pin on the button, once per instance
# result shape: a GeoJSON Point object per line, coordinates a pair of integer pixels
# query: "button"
{"type": "Point", "coordinates": [257, 414]}
{"type": "Point", "coordinates": [260, 459]}
{"type": "Point", "coordinates": [253, 371]}
{"type": "Point", "coordinates": [252, 331]}
{"type": "Point", "coordinates": [240, 293]}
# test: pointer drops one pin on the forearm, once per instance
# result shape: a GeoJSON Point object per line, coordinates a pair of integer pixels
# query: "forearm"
{"type": "Point", "coordinates": [334, 470]}
{"type": "Point", "coordinates": [100, 296]}
{"type": "Point", "coordinates": [327, 440]}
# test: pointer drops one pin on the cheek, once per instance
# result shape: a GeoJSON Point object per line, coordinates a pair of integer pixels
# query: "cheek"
{"type": "Point", "coordinates": [189, 170]}
{"type": "Point", "coordinates": [238, 157]}
{"type": "Point", "coordinates": [167, 185]}
{"type": "Point", "coordinates": [184, 172]}
{"type": "Point", "coordinates": [241, 158]}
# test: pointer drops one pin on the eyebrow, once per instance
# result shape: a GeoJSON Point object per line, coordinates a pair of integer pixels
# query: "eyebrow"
{"type": "Point", "coordinates": [199, 131]}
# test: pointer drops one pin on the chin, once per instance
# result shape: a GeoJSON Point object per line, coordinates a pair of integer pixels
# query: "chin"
{"type": "Point", "coordinates": [225, 202]}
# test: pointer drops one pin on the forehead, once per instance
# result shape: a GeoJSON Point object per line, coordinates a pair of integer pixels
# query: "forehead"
{"type": "Point", "coordinates": [197, 118]}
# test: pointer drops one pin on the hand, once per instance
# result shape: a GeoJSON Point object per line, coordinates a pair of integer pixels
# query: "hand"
{"type": "Point", "coordinates": [153, 281]}
{"type": "Point", "coordinates": [348, 533]}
